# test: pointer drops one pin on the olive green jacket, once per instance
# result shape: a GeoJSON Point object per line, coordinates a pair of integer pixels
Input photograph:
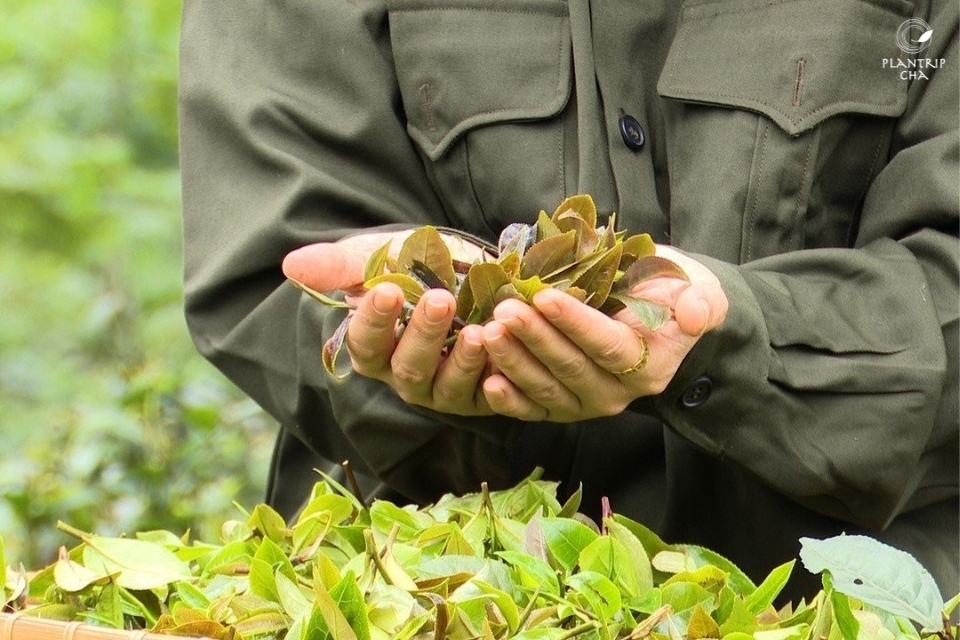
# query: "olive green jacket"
{"type": "Point", "coordinates": [785, 143]}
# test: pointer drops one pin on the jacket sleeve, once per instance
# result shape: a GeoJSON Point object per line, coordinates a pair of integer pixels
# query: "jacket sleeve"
{"type": "Point", "coordinates": [291, 134]}
{"type": "Point", "coordinates": [834, 376]}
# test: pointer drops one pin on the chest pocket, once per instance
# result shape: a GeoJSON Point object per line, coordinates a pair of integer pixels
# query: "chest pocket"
{"type": "Point", "coordinates": [483, 83]}
{"type": "Point", "coordinates": [778, 114]}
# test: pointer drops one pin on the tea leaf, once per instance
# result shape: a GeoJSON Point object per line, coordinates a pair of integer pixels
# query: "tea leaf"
{"type": "Point", "coordinates": [426, 245]}
{"type": "Point", "coordinates": [137, 564]}
{"type": "Point", "coordinates": [485, 280]}
{"type": "Point", "coordinates": [647, 269]}
{"type": "Point", "coordinates": [598, 280]}
{"type": "Point", "coordinates": [548, 255]}
{"type": "Point", "coordinates": [580, 205]}
{"type": "Point", "coordinates": [877, 574]}
{"type": "Point", "coordinates": [652, 314]}
{"type": "Point", "coordinates": [426, 276]}
{"type": "Point", "coordinates": [585, 234]}
{"type": "Point", "coordinates": [639, 246]}
{"type": "Point", "coordinates": [546, 228]}
{"type": "Point", "coordinates": [411, 288]}
{"type": "Point", "coordinates": [770, 588]}
{"type": "Point", "coordinates": [319, 297]}
{"type": "Point", "coordinates": [332, 347]}
{"type": "Point", "coordinates": [377, 262]}
{"type": "Point", "coordinates": [516, 237]}
{"type": "Point", "coordinates": [566, 539]}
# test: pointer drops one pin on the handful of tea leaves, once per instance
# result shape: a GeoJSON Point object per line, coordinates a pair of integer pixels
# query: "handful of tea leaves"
{"type": "Point", "coordinates": [599, 266]}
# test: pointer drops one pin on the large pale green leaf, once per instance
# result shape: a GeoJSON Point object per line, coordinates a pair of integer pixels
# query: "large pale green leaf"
{"type": "Point", "coordinates": [639, 560]}
{"type": "Point", "coordinates": [877, 574]}
{"type": "Point", "coordinates": [138, 564]}
{"type": "Point", "coordinates": [566, 538]}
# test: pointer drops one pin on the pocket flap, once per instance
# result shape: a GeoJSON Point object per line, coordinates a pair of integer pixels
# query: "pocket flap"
{"type": "Point", "coordinates": [477, 62]}
{"type": "Point", "coordinates": [796, 61]}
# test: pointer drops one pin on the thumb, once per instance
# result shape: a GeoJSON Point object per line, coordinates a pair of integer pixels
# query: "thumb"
{"type": "Point", "coordinates": [700, 308]}
{"type": "Point", "coordinates": [325, 266]}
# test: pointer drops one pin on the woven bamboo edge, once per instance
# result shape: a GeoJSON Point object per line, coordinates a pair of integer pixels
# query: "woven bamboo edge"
{"type": "Point", "coordinates": [23, 626]}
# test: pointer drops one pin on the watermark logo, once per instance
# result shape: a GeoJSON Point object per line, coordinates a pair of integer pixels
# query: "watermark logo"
{"type": "Point", "coordinates": [914, 35]}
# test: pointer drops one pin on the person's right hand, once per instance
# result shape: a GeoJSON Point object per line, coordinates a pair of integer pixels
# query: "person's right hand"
{"type": "Point", "coordinates": [417, 365]}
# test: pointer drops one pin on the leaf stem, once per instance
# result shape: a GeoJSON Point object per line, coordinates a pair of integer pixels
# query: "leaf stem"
{"type": "Point", "coordinates": [579, 629]}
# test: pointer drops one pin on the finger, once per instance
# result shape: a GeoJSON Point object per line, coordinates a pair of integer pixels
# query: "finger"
{"type": "Point", "coordinates": [700, 309]}
{"type": "Point", "coordinates": [526, 372]}
{"type": "Point", "coordinates": [325, 266]}
{"type": "Point", "coordinates": [506, 399]}
{"type": "Point", "coordinates": [417, 356]}
{"type": "Point", "coordinates": [456, 383]}
{"type": "Point", "coordinates": [612, 345]}
{"type": "Point", "coordinates": [371, 335]}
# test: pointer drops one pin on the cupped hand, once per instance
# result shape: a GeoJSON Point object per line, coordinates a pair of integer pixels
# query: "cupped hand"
{"type": "Point", "coordinates": [561, 360]}
{"type": "Point", "coordinates": [420, 366]}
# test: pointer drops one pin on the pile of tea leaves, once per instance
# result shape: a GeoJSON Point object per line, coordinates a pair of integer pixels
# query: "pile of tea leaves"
{"type": "Point", "coordinates": [511, 564]}
{"type": "Point", "coordinates": [599, 266]}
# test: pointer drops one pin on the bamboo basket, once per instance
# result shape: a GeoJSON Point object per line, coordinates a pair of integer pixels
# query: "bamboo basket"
{"type": "Point", "coordinates": [22, 626]}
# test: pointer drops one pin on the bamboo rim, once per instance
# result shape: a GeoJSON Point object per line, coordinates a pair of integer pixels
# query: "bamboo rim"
{"type": "Point", "coordinates": [23, 626]}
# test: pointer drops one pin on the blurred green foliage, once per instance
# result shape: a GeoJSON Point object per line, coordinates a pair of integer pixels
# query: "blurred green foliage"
{"type": "Point", "coordinates": [109, 420]}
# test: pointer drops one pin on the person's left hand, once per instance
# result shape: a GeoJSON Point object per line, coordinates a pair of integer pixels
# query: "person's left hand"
{"type": "Point", "coordinates": [561, 360]}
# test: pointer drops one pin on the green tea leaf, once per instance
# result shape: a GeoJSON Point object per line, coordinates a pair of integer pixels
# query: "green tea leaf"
{"type": "Point", "coordinates": [549, 255]}
{"type": "Point", "coordinates": [426, 245]}
{"type": "Point", "coordinates": [768, 590]}
{"type": "Point", "coordinates": [412, 289]}
{"type": "Point", "coordinates": [877, 574]}
{"type": "Point", "coordinates": [377, 262]}
{"type": "Point", "coordinates": [640, 245]}
{"type": "Point", "coordinates": [137, 564]}
{"type": "Point", "coordinates": [639, 560]}
{"type": "Point", "coordinates": [701, 625]}
{"type": "Point", "coordinates": [598, 279]}
{"type": "Point", "coordinates": [647, 269]}
{"type": "Point", "coordinates": [320, 297]}
{"type": "Point", "coordinates": [609, 557]}
{"type": "Point", "coordinates": [736, 578]}
{"type": "Point", "coordinates": [652, 314]}
{"type": "Point", "coordinates": [546, 227]}
{"type": "Point", "coordinates": [842, 614]}
{"type": "Point", "coordinates": [72, 576]}
{"type": "Point", "coordinates": [582, 206]}
{"type": "Point", "coordinates": [566, 539]}
{"type": "Point", "coordinates": [485, 280]}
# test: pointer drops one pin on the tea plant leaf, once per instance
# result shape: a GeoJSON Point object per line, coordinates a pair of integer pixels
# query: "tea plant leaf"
{"type": "Point", "coordinates": [72, 576]}
{"type": "Point", "coordinates": [426, 276]}
{"type": "Point", "coordinates": [768, 590]}
{"type": "Point", "coordinates": [138, 565]}
{"type": "Point", "coordinates": [580, 205]}
{"type": "Point", "coordinates": [639, 560]}
{"type": "Point", "coordinates": [411, 288]}
{"type": "Point", "coordinates": [377, 262]}
{"type": "Point", "coordinates": [485, 280]}
{"type": "Point", "coordinates": [877, 574]}
{"type": "Point", "coordinates": [640, 245]}
{"type": "Point", "coordinates": [320, 297]}
{"type": "Point", "coordinates": [332, 347]}
{"type": "Point", "coordinates": [647, 269]}
{"type": "Point", "coordinates": [598, 280]}
{"type": "Point", "coordinates": [566, 539]}
{"type": "Point", "coordinates": [548, 255]}
{"type": "Point", "coordinates": [517, 238]}
{"type": "Point", "coordinates": [652, 314]}
{"type": "Point", "coordinates": [426, 245]}
{"type": "Point", "coordinates": [546, 228]}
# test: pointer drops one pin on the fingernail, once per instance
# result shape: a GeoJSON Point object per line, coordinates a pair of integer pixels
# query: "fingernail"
{"type": "Point", "coordinates": [470, 347]}
{"type": "Point", "coordinates": [383, 302]}
{"type": "Point", "coordinates": [546, 306]}
{"type": "Point", "coordinates": [435, 311]}
{"type": "Point", "coordinates": [497, 344]}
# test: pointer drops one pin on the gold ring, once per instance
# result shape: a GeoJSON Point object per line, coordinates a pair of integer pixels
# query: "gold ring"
{"type": "Point", "coordinates": [641, 361]}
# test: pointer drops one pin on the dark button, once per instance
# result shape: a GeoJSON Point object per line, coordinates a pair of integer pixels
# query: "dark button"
{"type": "Point", "coordinates": [697, 393]}
{"type": "Point", "coordinates": [632, 132]}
